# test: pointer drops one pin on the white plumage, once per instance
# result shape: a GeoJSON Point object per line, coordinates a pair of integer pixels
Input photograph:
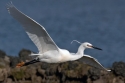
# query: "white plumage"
{"type": "Point", "coordinates": [48, 51]}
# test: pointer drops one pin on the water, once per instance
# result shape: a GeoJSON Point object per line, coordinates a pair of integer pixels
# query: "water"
{"type": "Point", "coordinates": [101, 23]}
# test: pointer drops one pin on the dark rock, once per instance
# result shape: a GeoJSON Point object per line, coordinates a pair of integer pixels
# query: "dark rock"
{"type": "Point", "coordinates": [29, 71]}
{"type": "Point", "coordinates": [51, 70]}
{"type": "Point", "coordinates": [118, 80]}
{"type": "Point", "coordinates": [14, 60]}
{"type": "Point", "coordinates": [3, 74]}
{"type": "Point", "coordinates": [77, 71]}
{"type": "Point", "coordinates": [17, 73]}
{"type": "Point", "coordinates": [94, 73]}
{"type": "Point", "coordinates": [68, 72]}
{"type": "Point", "coordinates": [41, 72]}
{"type": "Point", "coordinates": [9, 80]}
{"type": "Point", "coordinates": [45, 66]}
{"type": "Point", "coordinates": [2, 54]}
{"type": "Point", "coordinates": [24, 55]}
{"type": "Point", "coordinates": [36, 79]}
{"type": "Point", "coordinates": [119, 68]}
{"type": "Point", "coordinates": [4, 62]}
{"type": "Point", "coordinates": [23, 82]}
{"type": "Point", "coordinates": [7, 59]}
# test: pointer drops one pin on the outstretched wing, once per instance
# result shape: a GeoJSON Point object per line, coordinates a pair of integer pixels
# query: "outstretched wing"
{"type": "Point", "coordinates": [35, 31]}
{"type": "Point", "coordinates": [92, 62]}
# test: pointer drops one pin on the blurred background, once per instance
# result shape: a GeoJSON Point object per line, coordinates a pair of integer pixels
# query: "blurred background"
{"type": "Point", "coordinates": [101, 23]}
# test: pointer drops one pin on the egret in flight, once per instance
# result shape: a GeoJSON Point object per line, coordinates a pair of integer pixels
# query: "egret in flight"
{"type": "Point", "coordinates": [49, 52]}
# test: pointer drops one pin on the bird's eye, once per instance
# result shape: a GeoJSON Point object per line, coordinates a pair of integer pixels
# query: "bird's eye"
{"type": "Point", "coordinates": [88, 45]}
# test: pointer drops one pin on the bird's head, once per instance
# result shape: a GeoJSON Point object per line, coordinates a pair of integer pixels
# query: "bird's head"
{"type": "Point", "coordinates": [88, 45]}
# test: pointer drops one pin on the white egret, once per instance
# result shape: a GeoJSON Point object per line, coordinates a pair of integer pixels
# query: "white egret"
{"type": "Point", "coordinates": [48, 51]}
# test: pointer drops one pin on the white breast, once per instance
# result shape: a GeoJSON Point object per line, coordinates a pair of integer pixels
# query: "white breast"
{"type": "Point", "coordinates": [64, 55]}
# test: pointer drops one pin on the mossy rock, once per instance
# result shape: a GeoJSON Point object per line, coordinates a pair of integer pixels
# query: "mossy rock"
{"type": "Point", "coordinates": [18, 74]}
{"type": "Point", "coordinates": [77, 72]}
{"type": "Point", "coordinates": [1, 66]}
{"type": "Point", "coordinates": [74, 69]}
{"type": "Point", "coordinates": [2, 63]}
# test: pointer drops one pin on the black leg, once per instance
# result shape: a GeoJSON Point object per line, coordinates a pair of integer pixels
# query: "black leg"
{"type": "Point", "coordinates": [31, 62]}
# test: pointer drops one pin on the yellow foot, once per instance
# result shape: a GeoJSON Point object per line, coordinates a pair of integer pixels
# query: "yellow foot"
{"type": "Point", "coordinates": [20, 64]}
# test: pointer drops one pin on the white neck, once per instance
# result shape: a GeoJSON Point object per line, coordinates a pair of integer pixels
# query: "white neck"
{"type": "Point", "coordinates": [79, 53]}
{"type": "Point", "coordinates": [81, 50]}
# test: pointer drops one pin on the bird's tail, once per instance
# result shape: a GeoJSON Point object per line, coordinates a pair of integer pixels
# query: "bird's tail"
{"type": "Point", "coordinates": [33, 54]}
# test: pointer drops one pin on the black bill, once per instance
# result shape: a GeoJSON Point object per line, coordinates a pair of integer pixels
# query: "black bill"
{"type": "Point", "coordinates": [96, 48]}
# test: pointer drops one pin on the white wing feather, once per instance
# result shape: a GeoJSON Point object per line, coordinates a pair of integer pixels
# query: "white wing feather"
{"type": "Point", "coordinates": [35, 39]}
{"type": "Point", "coordinates": [35, 31]}
{"type": "Point", "coordinates": [92, 62]}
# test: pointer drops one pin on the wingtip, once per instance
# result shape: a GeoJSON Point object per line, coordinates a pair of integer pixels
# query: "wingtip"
{"type": "Point", "coordinates": [109, 70]}
{"type": "Point", "coordinates": [9, 4]}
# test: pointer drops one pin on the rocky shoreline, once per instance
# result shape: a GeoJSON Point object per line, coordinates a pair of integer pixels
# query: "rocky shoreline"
{"type": "Point", "coordinates": [68, 72]}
